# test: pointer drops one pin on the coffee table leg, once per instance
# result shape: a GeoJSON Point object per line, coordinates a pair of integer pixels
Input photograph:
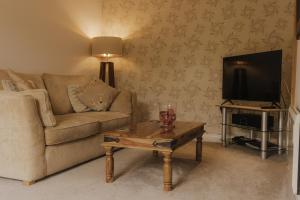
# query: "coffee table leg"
{"type": "Point", "coordinates": [199, 149]}
{"type": "Point", "coordinates": [109, 168]}
{"type": "Point", "coordinates": [167, 171]}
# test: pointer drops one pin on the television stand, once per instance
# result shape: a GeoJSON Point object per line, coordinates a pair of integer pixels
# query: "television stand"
{"type": "Point", "coordinates": [273, 106]}
{"type": "Point", "coordinates": [268, 107]}
{"type": "Point", "coordinates": [264, 129]}
{"type": "Point", "coordinates": [227, 100]}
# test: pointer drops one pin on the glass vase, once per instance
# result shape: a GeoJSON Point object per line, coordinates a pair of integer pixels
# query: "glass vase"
{"type": "Point", "coordinates": [167, 116]}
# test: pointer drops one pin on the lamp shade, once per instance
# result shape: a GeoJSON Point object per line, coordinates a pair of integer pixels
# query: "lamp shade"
{"type": "Point", "coordinates": [106, 46]}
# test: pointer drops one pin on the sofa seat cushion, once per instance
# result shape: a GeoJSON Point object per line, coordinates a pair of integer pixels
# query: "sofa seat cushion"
{"type": "Point", "coordinates": [75, 126]}
{"type": "Point", "coordinates": [108, 120]}
{"type": "Point", "coordinates": [71, 127]}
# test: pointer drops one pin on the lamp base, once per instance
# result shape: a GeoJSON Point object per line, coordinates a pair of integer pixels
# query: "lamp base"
{"type": "Point", "coordinates": [107, 73]}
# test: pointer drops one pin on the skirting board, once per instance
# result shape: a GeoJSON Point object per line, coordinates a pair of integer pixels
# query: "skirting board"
{"type": "Point", "coordinates": [212, 137]}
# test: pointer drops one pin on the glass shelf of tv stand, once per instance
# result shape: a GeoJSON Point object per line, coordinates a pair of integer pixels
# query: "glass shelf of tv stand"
{"type": "Point", "coordinates": [275, 147]}
{"type": "Point", "coordinates": [250, 128]}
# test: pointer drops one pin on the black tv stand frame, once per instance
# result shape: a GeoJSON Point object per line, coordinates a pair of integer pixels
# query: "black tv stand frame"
{"type": "Point", "coordinates": [227, 100]}
{"type": "Point", "coordinates": [276, 105]}
{"type": "Point", "coordinates": [273, 105]}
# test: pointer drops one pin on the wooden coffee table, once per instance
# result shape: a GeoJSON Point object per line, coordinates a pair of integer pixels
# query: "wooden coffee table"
{"type": "Point", "coordinates": [148, 136]}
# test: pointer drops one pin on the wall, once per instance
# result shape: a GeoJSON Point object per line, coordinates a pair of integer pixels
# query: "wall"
{"type": "Point", "coordinates": [174, 48]}
{"type": "Point", "coordinates": [296, 78]}
{"type": "Point", "coordinates": [48, 36]}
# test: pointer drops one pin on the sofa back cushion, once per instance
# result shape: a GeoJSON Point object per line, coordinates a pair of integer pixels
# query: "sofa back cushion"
{"type": "Point", "coordinates": [122, 103]}
{"type": "Point", "coordinates": [36, 79]}
{"type": "Point", "coordinates": [57, 86]}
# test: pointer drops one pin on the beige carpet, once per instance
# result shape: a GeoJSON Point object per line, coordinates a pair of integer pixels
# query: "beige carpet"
{"type": "Point", "coordinates": [234, 173]}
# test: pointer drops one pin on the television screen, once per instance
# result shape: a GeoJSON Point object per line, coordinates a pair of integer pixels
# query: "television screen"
{"type": "Point", "coordinates": [253, 77]}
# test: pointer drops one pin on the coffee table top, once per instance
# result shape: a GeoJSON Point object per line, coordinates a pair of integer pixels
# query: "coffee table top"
{"type": "Point", "coordinates": [150, 135]}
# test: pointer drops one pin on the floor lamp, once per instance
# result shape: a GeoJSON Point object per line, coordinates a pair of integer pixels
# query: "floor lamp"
{"type": "Point", "coordinates": [107, 47]}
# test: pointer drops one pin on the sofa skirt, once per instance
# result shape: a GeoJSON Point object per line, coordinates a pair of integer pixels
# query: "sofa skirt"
{"type": "Point", "coordinates": [63, 156]}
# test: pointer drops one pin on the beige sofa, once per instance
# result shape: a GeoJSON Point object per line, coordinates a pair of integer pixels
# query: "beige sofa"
{"type": "Point", "coordinates": [30, 152]}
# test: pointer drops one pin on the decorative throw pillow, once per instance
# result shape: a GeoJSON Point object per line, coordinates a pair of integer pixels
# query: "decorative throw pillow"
{"type": "Point", "coordinates": [122, 103]}
{"type": "Point", "coordinates": [20, 83]}
{"type": "Point", "coordinates": [77, 105]}
{"type": "Point", "coordinates": [8, 85]}
{"type": "Point", "coordinates": [44, 105]}
{"type": "Point", "coordinates": [98, 96]}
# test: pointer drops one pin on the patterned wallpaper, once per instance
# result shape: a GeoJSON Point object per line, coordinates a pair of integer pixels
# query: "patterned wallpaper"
{"type": "Point", "coordinates": [174, 48]}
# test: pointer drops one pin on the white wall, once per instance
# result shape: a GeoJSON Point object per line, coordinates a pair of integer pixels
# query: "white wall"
{"type": "Point", "coordinates": [38, 36]}
{"type": "Point", "coordinates": [297, 77]}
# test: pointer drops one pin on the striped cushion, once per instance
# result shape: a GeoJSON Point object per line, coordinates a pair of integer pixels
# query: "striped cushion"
{"type": "Point", "coordinates": [43, 104]}
{"type": "Point", "coordinates": [77, 105]}
{"type": "Point", "coordinates": [8, 85]}
{"type": "Point", "coordinates": [20, 83]}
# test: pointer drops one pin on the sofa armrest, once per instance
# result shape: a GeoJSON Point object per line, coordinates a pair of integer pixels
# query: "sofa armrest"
{"type": "Point", "coordinates": [22, 143]}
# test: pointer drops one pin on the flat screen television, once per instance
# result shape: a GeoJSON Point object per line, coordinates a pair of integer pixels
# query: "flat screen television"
{"type": "Point", "coordinates": [253, 77]}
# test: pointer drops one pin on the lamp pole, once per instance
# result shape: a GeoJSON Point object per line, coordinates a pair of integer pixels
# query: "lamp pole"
{"type": "Point", "coordinates": [107, 47]}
